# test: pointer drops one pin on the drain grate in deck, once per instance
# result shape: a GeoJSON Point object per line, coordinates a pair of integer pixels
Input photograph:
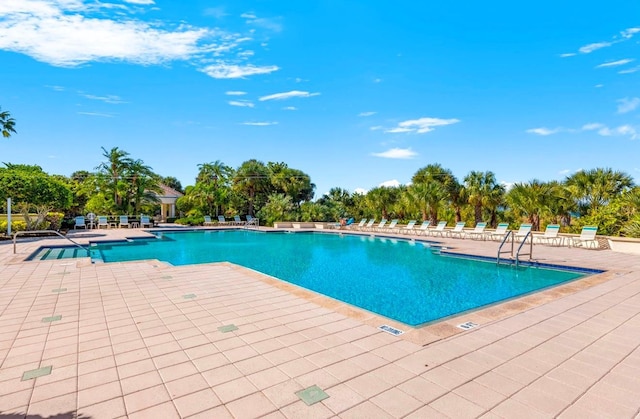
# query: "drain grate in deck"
{"type": "Point", "coordinates": [392, 330]}
{"type": "Point", "coordinates": [312, 395]}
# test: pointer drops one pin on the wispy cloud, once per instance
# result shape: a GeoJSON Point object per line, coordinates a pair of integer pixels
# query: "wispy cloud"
{"type": "Point", "coordinates": [615, 63]}
{"type": "Point", "coordinates": [232, 71]}
{"type": "Point", "coordinates": [248, 15]}
{"type": "Point", "coordinates": [235, 93]}
{"type": "Point", "coordinates": [290, 108]}
{"type": "Point", "coordinates": [241, 103]}
{"type": "Point", "coordinates": [587, 49]}
{"type": "Point", "coordinates": [112, 99]}
{"type": "Point", "coordinates": [397, 153]}
{"type": "Point", "coordinates": [605, 131]}
{"type": "Point", "coordinates": [629, 70]}
{"type": "Point", "coordinates": [564, 172]}
{"type": "Point", "coordinates": [260, 124]}
{"type": "Point", "coordinates": [217, 12]}
{"type": "Point", "coordinates": [627, 105]}
{"type": "Point", "coordinates": [56, 88]}
{"type": "Point", "coordinates": [69, 33]}
{"type": "Point", "coordinates": [544, 131]}
{"type": "Point", "coordinates": [287, 95]}
{"type": "Point", "coordinates": [421, 125]}
{"type": "Point", "coordinates": [366, 113]}
{"type": "Point", "coordinates": [100, 114]}
{"type": "Point", "coordinates": [376, 128]}
{"type": "Point", "coordinates": [568, 54]}
{"type": "Point", "coordinates": [628, 33]}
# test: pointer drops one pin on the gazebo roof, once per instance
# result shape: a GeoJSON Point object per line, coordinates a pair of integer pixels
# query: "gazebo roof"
{"type": "Point", "coordinates": [168, 192]}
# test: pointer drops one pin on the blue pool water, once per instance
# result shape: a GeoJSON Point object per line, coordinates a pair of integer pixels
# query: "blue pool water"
{"type": "Point", "coordinates": [402, 280]}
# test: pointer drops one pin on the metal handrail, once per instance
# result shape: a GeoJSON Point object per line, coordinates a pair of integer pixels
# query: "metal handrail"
{"type": "Point", "coordinates": [530, 236]}
{"type": "Point", "coordinates": [506, 236]}
{"type": "Point", "coordinates": [18, 233]}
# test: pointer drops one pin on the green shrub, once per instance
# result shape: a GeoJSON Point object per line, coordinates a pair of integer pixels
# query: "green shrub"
{"type": "Point", "coordinates": [55, 220]}
{"type": "Point", "coordinates": [190, 221]}
{"type": "Point", "coordinates": [16, 225]}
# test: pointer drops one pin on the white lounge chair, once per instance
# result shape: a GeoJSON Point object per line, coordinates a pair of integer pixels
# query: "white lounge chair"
{"type": "Point", "coordinates": [207, 221]}
{"type": "Point", "coordinates": [423, 230]}
{"type": "Point", "coordinates": [222, 220]}
{"type": "Point", "coordinates": [80, 223]}
{"type": "Point", "coordinates": [237, 221]}
{"type": "Point", "coordinates": [522, 231]}
{"type": "Point", "coordinates": [458, 230]}
{"type": "Point", "coordinates": [380, 225]}
{"type": "Point", "coordinates": [252, 221]}
{"type": "Point", "coordinates": [478, 232]}
{"type": "Point", "coordinates": [145, 221]}
{"type": "Point", "coordinates": [439, 230]}
{"type": "Point", "coordinates": [369, 225]}
{"type": "Point", "coordinates": [103, 221]}
{"type": "Point", "coordinates": [124, 221]}
{"type": "Point", "coordinates": [550, 236]}
{"type": "Point", "coordinates": [408, 228]}
{"type": "Point", "coordinates": [587, 238]}
{"type": "Point", "coordinates": [392, 226]}
{"type": "Point", "coordinates": [499, 232]}
{"type": "Point", "coordinates": [358, 226]}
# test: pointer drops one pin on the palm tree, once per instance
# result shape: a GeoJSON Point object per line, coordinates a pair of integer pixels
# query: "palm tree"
{"type": "Point", "coordinates": [596, 187]}
{"type": "Point", "coordinates": [7, 124]}
{"type": "Point", "coordinates": [530, 200]}
{"type": "Point", "coordinates": [252, 179]}
{"type": "Point", "coordinates": [432, 186]}
{"type": "Point", "coordinates": [480, 186]}
{"type": "Point", "coordinates": [143, 184]}
{"type": "Point", "coordinates": [382, 199]}
{"type": "Point", "coordinates": [114, 169]}
{"type": "Point", "coordinates": [212, 185]}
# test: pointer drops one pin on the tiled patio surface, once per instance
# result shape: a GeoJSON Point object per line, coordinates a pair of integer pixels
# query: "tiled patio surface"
{"type": "Point", "coordinates": [144, 339]}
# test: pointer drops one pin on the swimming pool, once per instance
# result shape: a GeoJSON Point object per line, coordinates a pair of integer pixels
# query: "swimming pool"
{"type": "Point", "coordinates": [406, 281]}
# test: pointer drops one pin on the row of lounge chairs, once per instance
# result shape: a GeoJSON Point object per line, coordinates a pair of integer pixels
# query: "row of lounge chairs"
{"type": "Point", "coordinates": [103, 222]}
{"type": "Point", "coordinates": [236, 221]}
{"type": "Point", "coordinates": [550, 236]}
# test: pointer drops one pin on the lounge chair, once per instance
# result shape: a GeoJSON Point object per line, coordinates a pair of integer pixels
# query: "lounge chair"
{"type": "Point", "coordinates": [358, 226]}
{"type": "Point", "coordinates": [478, 232]}
{"type": "Point", "coordinates": [391, 226]}
{"type": "Point", "coordinates": [369, 225]}
{"type": "Point", "coordinates": [124, 221]}
{"type": "Point", "coordinates": [80, 223]}
{"type": "Point", "coordinates": [380, 225]}
{"type": "Point", "coordinates": [222, 220]}
{"type": "Point", "coordinates": [103, 221]}
{"type": "Point", "coordinates": [207, 221]}
{"type": "Point", "coordinates": [499, 232]}
{"type": "Point", "coordinates": [408, 228]}
{"type": "Point", "coordinates": [522, 231]}
{"type": "Point", "coordinates": [439, 230]}
{"type": "Point", "coordinates": [237, 221]}
{"type": "Point", "coordinates": [252, 221]}
{"type": "Point", "coordinates": [145, 221]}
{"type": "Point", "coordinates": [424, 228]}
{"type": "Point", "coordinates": [587, 238]}
{"type": "Point", "coordinates": [550, 235]}
{"type": "Point", "coordinates": [458, 230]}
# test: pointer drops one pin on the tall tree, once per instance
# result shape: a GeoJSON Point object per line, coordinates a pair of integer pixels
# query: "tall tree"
{"type": "Point", "coordinates": [114, 169]}
{"type": "Point", "coordinates": [7, 124]}
{"type": "Point", "coordinates": [596, 187]}
{"type": "Point", "coordinates": [252, 180]}
{"type": "Point", "coordinates": [480, 187]}
{"type": "Point", "coordinates": [431, 187]}
{"type": "Point", "coordinates": [530, 200]}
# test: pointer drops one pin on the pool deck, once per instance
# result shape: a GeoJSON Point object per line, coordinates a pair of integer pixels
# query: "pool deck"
{"type": "Point", "coordinates": [148, 340]}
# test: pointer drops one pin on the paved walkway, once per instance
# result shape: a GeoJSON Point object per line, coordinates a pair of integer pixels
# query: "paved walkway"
{"type": "Point", "coordinates": [144, 339]}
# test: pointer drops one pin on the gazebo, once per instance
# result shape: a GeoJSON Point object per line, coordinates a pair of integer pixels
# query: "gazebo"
{"type": "Point", "coordinates": [168, 198]}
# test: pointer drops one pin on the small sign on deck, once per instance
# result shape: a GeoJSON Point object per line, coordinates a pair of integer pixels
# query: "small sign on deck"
{"type": "Point", "coordinates": [392, 330]}
{"type": "Point", "coordinates": [467, 325]}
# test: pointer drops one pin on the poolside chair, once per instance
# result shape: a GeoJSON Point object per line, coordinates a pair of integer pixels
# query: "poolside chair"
{"type": "Point", "coordinates": [252, 221]}
{"type": "Point", "coordinates": [522, 231]}
{"type": "Point", "coordinates": [369, 225]}
{"type": "Point", "coordinates": [103, 221]}
{"type": "Point", "coordinates": [550, 235]}
{"type": "Point", "coordinates": [408, 228]}
{"type": "Point", "coordinates": [499, 232]}
{"type": "Point", "coordinates": [358, 226]}
{"type": "Point", "coordinates": [380, 225]}
{"type": "Point", "coordinates": [124, 221]}
{"type": "Point", "coordinates": [587, 238]}
{"type": "Point", "coordinates": [458, 230]}
{"type": "Point", "coordinates": [237, 221]}
{"type": "Point", "coordinates": [80, 223]}
{"type": "Point", "coordinates": [478, 232]}
{"type": "Point", "coordinates": [145, 221]}
{"type": "Point", "coordinates": [439, 230]}
{"type": "Point", "coordinates": [392, 225]}
{"type": "Point", "coordinates": [222, 220]}
{"type": "Point", "coordinates": [424, 228]}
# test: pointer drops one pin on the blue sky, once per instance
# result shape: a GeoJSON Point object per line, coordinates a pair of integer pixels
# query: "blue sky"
{"type": "Point", "coordinates": [356, 94]}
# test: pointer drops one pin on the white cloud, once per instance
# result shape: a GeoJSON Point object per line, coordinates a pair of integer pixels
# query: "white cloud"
{"type": "Point", "coordinates": [544, 131]}
{"type": "Point", "coordinates": [593, 47]}
{"type": "Point", "coordinates": [421, 125]}
{"type": "Point", "coordinates": [233, 71]}
{"type": "Point", "coordinates": [393, 183]}
{"type": "Point", "coordinates": [605, 131]}
{"type": "Point", "coordinates": [376, 128]}
{"type": "Point", "coordinates": [69, 33]}
{"type": "Point", "coordinates": [507, 185]}
{"type": "Point", "coordinates": [627, 105]}
{"type": "Point", "coordinates": [241, 103]}
{"type": "Point", "coordinates": [290, 108]}
{"type": "Point", "coordinates": [615, 63]}
{"type": "Point", "coordinates": [360, 191]}
{"type": "Point", "coordinates": [366, 113]}
{"type": "Point", "coordinates": [628, 33]}
{"type": "Point", "coordinates": [397, 153]}
{"type": "Point", "coordinates": [564, 172]}
{"type": "Point", "coordinates": [287, 95]}
{"type": "Point", "coordinates": [592, 126]}
{"type": "Point", "coordinates": [56, 88]}
{"type": "Point", "coordinates": [217, 12]}
{"type": "Point", "coordinates": [629, 70]}
{"type": "Point", "coordinates": [112, 99]}
{"type": "Point", "coordinates": [235, 93]}
{"type": "Point", "coordinates": [100, 114]}
{"type": "Point", "coordinates": [248, 15]}
{"type": "Point", "coordinates": [568, 54]}
{"type": "Point", "coordinates": [599, 86]}
{"type": "Point", "coordinates": [260, 124]}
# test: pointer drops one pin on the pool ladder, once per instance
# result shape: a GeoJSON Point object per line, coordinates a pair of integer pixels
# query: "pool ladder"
{"type": "Point", "coordinates": [529, 236]}
{"type": "Point", "coordinates": [20, 233]}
